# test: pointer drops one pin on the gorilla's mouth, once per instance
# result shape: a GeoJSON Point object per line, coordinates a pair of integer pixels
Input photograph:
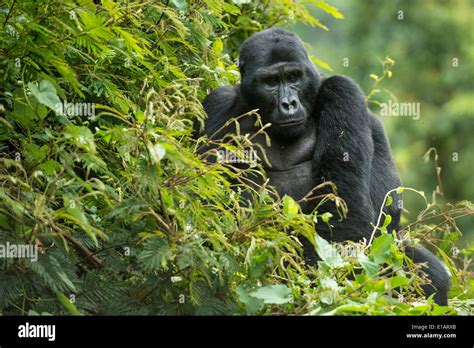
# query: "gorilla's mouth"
{"type": "Point", "coordinates": [291, 123]}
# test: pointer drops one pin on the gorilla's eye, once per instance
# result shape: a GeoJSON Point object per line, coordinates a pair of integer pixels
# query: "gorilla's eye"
{"type": "Point", "coordinates": [271, 81]}
{"type": "Point", "coordinates": [293, 76]}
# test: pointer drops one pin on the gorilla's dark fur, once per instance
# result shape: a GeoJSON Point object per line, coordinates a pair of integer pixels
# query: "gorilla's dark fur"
{"type": "Point", "coordinates": [321, 130]}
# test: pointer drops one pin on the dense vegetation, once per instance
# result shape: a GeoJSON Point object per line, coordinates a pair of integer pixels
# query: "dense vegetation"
{"type": "Point", "coordinates": [127, 218]}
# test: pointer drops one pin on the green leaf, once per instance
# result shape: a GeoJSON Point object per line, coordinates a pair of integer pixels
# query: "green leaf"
{"type": "Point", "coordinates": [328, 253]}
{"type": "Point", "coordinates": [157, 152]}
{"type": "Point", "coordinates": [387, 221]}
{"type": "Point", "coordinates": [326, 216]}
{"type": "Point", "coordinates": [34, 153]}
{"type": "Point", "coordinates": [63, 276]}
{"type": "Point", "coordinates": [321, 63]}
{"type": "Point", "coordinates": [398, 281]}
{"type": "Point", "coordinates": [23, 114]}
{"type": "Point", "coordinates": [45, 93]}
{"type": "Point", "coordinates": [41, 111]}
{"type": "Point", "coordinates": [68, 304]}
{"type": "Point", "coordinates": [140, 116]}
{"type": "Point", "coordinates": [252, 304]}
{"type": "Point", "coordinates": [329, 9]}
{"type": "Point", "coordinates": [180, 4]}
{"type": "Point", "coordinates": [241, 2]}
{"type": "Point", "coordinates": [273, 294]}
{"type": "Point", "coordinates": [156, 254]}
{"type": "Point", "coordinates": [380, 249]}
{"type": "Point", "coordinates": [389, 201]}
{"type": "Point", "coordinates": [290, 207]}
{"type": "Point", "coordinates": [50, 167]}
{"type": "Point", "coordinates": [218, 46]}
{"type": "Point", "coordinates": [370, 267]}
{"type": "Point", "coordinates": [80, 136]}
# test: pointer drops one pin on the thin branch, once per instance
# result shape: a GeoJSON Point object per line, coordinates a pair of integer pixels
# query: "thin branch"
{"type": "Point", "coordinates": [9, 13]}
{"type": "Point", "coordinates": [89, 255]}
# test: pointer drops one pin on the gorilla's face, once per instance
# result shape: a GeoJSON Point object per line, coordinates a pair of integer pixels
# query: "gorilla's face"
{"type": "Point", "coordinates": [279, 89]}
{"type": "Point", "coordinates": [279, 80]}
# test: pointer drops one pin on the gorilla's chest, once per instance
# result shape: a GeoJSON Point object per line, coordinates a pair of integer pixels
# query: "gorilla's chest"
{"type": "Point", "coordinates": [291, 166]}
{"type": "Point", "coordinates": [295, 181]}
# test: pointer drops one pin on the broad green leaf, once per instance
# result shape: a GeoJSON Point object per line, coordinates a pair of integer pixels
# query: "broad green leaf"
{"type": "Point", "coordinates": [273, 294]}
{"type": "Point", "coordinates": [50, 167]}
{"type": "Point", "coordinates": [180, 4]}
{"type": "Point", "coordinates": [328, 253]}
{"type": "Point", "coordinates": [23, 114]}
{"type": "Point", "coordinates": [370, 267]}
{"type": "Point", "coordinates": [329, 283]}
{"type": "Point", "coordinates": [218, 46]}
{"type": "Point", "coordinates": [140, 116]}
{"type": "Point", "coordinates": [34, 153]}
{"type": "Point", "coordinates": [41, 111]}
{"type": "Point", "coordinates": [380, 249]}
{"type": "Point", "coordinates": [252, 304]}
{"type": "Point", "coordinates": [398, 281]}
{"type": "Point", "coordinates": [157, 152]}
{"type": "Point", "coordinates": [80, 136]}
{"type": "Point", "coordinates": [45, 93]}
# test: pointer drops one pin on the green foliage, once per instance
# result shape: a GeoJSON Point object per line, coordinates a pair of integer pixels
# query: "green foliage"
{"type": "Point", "coordinates": [126, 217]}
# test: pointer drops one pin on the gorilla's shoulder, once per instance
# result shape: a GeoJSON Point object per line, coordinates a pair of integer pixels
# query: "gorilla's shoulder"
{"type": "Point", "coordinates": [343, 87]}
{"type": "Point", "coordinates": [220, 100]}
{"type": "Point", "coordinates": [220, 105]}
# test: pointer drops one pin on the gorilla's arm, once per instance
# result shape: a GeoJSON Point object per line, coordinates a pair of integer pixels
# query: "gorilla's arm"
{"type": "Point", "coordinates": [221, 105]}
{"type": "Point", "coordinates": [345, 127]}
{"type": "Point", "coordinates": [384, 175]}
{"type": "Point", "coordinates": [343, 154]}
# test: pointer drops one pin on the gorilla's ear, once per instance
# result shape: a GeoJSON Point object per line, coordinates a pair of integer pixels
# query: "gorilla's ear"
{"type": "Point", "coordinates": [241, 67]}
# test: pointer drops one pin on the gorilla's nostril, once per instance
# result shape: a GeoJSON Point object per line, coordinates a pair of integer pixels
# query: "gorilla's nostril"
{"type": "Point", "coordinates": [289, 106]}
{"type": "Point", "coordinates": [291, 109]}
{"type": "Point", "coordinates": [286, 105]}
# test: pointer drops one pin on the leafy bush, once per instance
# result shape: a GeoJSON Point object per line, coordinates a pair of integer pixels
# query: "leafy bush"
{"type": "Point", "coordinates": [99, 170]}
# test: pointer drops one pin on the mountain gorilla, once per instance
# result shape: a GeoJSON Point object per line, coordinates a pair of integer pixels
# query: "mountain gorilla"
{"type": "Point", "coordinates": [321, 130]}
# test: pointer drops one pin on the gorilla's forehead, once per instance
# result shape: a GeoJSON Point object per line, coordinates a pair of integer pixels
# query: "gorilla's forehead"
{"type": "Point", "coordinates": [280, 53]}
{"type": "Point", "coordinates": [279, 67]}
{"type": "Point", "coordinates": [272, 46]}
{"type": "Point", "coordinates": [271, 53]}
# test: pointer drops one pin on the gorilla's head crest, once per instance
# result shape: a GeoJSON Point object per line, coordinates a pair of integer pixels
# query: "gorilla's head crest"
{"type": "Point", "coordinates": [272, 46]}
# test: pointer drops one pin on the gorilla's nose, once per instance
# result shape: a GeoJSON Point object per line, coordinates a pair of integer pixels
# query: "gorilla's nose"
{"type": "Point", "coordinates": [289, 106]}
